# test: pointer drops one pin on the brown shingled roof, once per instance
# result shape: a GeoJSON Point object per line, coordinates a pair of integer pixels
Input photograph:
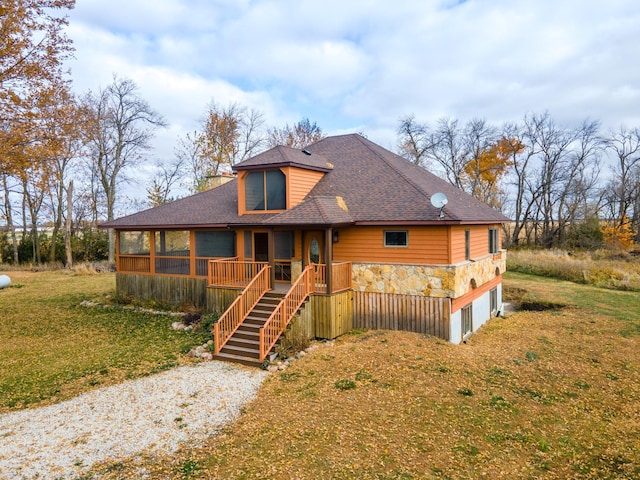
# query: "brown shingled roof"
{"type": "Point", "coordinates": [324, 210]}
{"type": "Point", "coordinates": [281, 156]}
{"type": "Point", "coordinates": [376, 186]}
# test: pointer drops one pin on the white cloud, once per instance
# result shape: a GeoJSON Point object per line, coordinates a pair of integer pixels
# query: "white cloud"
{"type": "Point", "coordinates": [359, 66]}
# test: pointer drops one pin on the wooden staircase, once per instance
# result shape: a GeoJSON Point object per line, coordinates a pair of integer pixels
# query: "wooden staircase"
{"type": "Point", "coordinates": [244, 345]}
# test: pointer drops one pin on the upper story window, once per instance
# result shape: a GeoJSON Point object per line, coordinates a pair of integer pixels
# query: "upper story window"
{"type": "Point", "coordinates": [493, 240]}
{"type": "Point", "coordinates": [467, 244]}
{"type": "Point", "coordinates": [265, 190]}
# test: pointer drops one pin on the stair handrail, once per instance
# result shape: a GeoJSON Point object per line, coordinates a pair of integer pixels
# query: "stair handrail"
{"type": "Point", "coordinates": [233, 316]}
{"type": "Point", "coordinates": [285, 310]}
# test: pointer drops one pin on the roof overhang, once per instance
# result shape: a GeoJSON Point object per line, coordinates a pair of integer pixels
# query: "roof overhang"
{"type": "Point", "coordinates": [281, 164]}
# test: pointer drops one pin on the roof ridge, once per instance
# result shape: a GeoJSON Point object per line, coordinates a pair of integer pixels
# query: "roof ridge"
{"type": "Point", "coordinates": [320, 209]}
{"type": "Point", "coordinates": [393, 167]}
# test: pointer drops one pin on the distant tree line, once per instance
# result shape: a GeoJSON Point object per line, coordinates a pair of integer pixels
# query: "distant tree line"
{"type": "Point", "coordinates": [562, 186]}
{"type": "Point", "coordinates": [66, 160]}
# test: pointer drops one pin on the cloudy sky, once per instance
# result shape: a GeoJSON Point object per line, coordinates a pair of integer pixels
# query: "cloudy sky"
{"type": "Point", "coordinates": [359, 65]}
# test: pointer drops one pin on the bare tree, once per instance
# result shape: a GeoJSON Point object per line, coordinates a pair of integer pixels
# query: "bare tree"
{"type": "Point", "coordinates": [623, 191]}
{"type": "Point", "coordinates": [416, 141]}
{"type": "Point", "coordinates": [166, 177]}
{"type": "Point", "coordinates": [302, 134]}
{"type": "Point", "coordinates": [120, 126]}
{"type": "Point", "coordinates": [229, 134]}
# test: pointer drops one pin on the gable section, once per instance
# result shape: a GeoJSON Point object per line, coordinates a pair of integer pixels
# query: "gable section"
{"type": "Point", "coordinates": [274, 189]}
{"type": "Point", "coordinates": [299, 183]}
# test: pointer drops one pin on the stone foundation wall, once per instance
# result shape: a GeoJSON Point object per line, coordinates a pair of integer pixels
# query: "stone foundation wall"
{"type": "Point", "coordinates": [449, 281]}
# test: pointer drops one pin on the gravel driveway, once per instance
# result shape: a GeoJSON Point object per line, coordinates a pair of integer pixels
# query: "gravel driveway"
{"type": "Point", "coordinates": [153, 414]}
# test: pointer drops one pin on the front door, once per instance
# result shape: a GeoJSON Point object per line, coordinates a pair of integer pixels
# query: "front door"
{"type": "Point", "coordinates": [261, 247]}
{"type": "Point", "coordinates": [314, 247]}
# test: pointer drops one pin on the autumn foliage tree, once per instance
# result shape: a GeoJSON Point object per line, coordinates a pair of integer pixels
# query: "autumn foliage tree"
{"type": "Point", "coordinates": [33, 47]}
{"type": "Point", "coordinates": [228, 134]}
{"type": "Point", "coordinates": [32, 51]}
{"type": "Point", "coordinates": [486, 172]}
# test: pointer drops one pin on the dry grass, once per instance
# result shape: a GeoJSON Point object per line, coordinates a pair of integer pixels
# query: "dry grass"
{"type": "Point", "coordinates": [620, 271]}
{"type": "Point", "coordinates": [544, 395]}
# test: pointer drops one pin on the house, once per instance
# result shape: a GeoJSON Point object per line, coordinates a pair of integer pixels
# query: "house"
{"type": "Point", "coordinates": [346, 229]}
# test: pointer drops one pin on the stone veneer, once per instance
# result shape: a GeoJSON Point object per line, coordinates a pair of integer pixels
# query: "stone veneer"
{"type": "Point", "coordinates": [450, 281]}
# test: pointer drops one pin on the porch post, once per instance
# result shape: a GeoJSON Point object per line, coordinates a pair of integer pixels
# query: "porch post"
{"type": "Point", "coordinates": [272, 257]}
{"type": "Point", "coordinates": [304, 251]}
{"type": "Point", "coordinates": [328, 257]}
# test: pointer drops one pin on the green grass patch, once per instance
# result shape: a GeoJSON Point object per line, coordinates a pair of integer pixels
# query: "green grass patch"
{"type": "Point", "coordinates": [52, 349]}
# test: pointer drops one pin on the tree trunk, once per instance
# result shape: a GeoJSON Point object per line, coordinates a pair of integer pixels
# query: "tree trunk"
{"type": "Point", "coordinates": [67, 227]}
{"type": "Point", "coordinates": [10, 225]}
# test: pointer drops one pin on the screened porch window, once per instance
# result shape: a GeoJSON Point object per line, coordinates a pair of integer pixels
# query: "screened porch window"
{"type": "Point", "coordinates": [284, 251]}
{"type": "Point", "coordinates": [172, 252]}
{"type": "Point", "coordinates": [134, 252]}
{"type": "Point", "coordinates": [134, 243]}
{"type": "Point", "coordinates": [213, 244]}
{"type": "Point", "coordinates": [265, 190]}
{"type": "Point", "coordinates": [216, 244]}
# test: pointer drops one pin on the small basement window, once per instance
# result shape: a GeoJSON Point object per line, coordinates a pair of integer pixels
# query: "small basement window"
{"type": "Point", "coordinates": [396, 238]}
{"type": "Point", "coordinates": [466, 316]}
{"type": "Point", "coordinates": [493, 301]}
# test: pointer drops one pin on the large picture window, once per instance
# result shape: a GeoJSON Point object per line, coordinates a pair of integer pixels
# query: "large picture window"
{"type": "Point", "coordinates": [265, 190]}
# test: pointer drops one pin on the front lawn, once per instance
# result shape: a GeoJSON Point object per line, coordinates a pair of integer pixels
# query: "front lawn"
{"type": "Point", "coordinates": [51, 348]}
{"type": "Point", "coordinates": [540, 395]}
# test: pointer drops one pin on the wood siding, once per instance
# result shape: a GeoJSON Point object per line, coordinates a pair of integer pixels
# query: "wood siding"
{"type": "Point", "coordinates": [479, 241]}
{"type": "Point", "coordinates": [302, 324]}
{"type": "Point", "coordinates": [299, 184]}
{"type": "Point", "coordinates": [426, 245]}
{"type": "Point", "coordinates": [333, 314]}
{"type": "Point", "coordinates": [475, 293]}
{"type": "Point", "coordinates": [173, 290]}
{"type": "Point", "coordinates": [219, 299]}
{"type": "Point", "coordinates": [408, 313]}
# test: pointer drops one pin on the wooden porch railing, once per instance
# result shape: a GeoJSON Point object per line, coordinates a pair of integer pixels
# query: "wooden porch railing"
{"type": "Point", "coordinates": [286, 309]}
{"type": "Point", "coordinates": [340, 277]}
{"type": "Point", "coordinates": [134, 263]}
{"type": "Point", "coordinates": [231, 272]}
{"type": "Point", "coordinates": [240, 308]}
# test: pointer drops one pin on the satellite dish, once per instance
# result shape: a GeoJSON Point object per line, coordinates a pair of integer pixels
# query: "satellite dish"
{"type": "Point", "coordinates": [439, 200]}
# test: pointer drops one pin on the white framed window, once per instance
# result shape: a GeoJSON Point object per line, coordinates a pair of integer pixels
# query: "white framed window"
{"type": "Point", "coordinates": [493, 301]}
{"type": "Point", "coordinates": [493, 240]}
{"type": "Point", "coordinates": [467, 244]}
{"type": "Point", "coordinates": [396, 238]}
{"type": "Point", "coordinates": [466, 317]}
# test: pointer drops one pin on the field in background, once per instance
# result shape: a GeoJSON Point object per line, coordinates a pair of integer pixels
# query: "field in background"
{"type": "Point", "coordinates": [620, 271]}
{"type": "Point", "coordinates": [51, 348]}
